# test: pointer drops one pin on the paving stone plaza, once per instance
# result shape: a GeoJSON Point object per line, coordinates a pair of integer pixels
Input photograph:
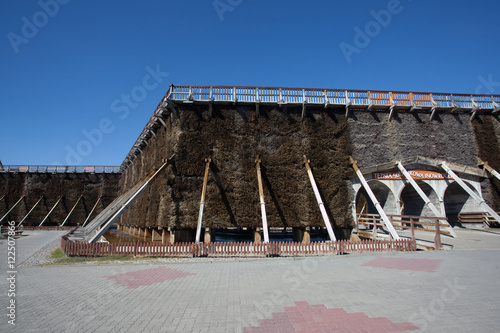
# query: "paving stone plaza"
{"type": "Point", "coordinates": [434, 291]}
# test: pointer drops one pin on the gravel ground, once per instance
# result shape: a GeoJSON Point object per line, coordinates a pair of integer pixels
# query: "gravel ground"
{"type": "Point", "coordinates": [42, 256]}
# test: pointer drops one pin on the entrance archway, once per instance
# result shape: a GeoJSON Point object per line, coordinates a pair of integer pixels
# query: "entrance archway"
{"type": "Point", "coordinates": [413, 204]}
{"type": "Point", "coordinates": [383, 194]}
{"type": "Point", "coordinates": [456, 200]}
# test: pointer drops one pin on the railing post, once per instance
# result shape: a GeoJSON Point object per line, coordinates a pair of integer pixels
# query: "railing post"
{"type": "Point", "coordinates": [437, 238]}
{"type": "Point", "coordinates": [412, 227]}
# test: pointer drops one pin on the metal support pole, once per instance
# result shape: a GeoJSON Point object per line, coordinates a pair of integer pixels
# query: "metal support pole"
{"type": "Point", "coordinates": [202, 202]}
{"type": "Point", "coordinates": [262, 202]}
{"type": "Point", "coordinates": [71, 211]}
{"type": "Point", "coordinates": [26, 216]}
{"type": "Point", "coordinates": [379, 208]}
{"type": "Point", "coordinates": [424, 197]}
{"type": "Point", "coordinates": [320, 202]}
{"type": "Point", "coordinates": [91, 211]}
{"type": "Point", "coordinates": [18, 201]}
{"type": "Point", "coordinates": [470, 191]}
{"type": "Point", "coordinates": [53, 207]}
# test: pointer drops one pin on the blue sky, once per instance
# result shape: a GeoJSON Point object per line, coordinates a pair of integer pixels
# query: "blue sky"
{"type": "Point", "coordinates": [67, 65]}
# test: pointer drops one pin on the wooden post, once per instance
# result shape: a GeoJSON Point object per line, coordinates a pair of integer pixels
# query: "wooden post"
{"type": "Point", "coordinates": [165, 236]}
{"type": "Point", "coordinates": [307, 236]}
{"type": "Point", "coordinates": [412, 225]}
{"type": "Point", "coordinates": [147, 234]}
{"type": "Point", "coordinates": [262, 202]}
{"type": "Point", "coordinates": [257, 237]}
{"type": "Point", "coordinates": [320, 201]}
{"type": "Point", "coordinates": [202, 203]}
{"type": "Point", "coordinates": [437, 237]}
{"type": "Point", "coordinates": [172, 236]}
{"type": "Point", "coordinates": [209, 234]}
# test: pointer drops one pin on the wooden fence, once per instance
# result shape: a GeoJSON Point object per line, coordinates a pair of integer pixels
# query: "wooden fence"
{"type": "Point", "coordinates": [234, 249]}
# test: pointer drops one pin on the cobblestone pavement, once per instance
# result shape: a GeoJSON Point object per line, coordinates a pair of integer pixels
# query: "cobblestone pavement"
{"type": "Point", "coordinates": [434, 291]}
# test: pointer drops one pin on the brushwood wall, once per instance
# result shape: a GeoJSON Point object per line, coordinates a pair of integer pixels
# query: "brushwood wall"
{"type": "Point", "coordinates": [52, 186]}
{"type": "Point", "coordinates": [234, 136]}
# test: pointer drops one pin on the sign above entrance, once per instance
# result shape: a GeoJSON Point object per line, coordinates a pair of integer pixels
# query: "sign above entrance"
{"type": "Point", "coordinates": [416, 174]}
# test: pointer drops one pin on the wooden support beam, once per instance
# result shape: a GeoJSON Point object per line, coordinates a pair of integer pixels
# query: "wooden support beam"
{"type": "Point", "coordinates": [391, 111]}
{"type": "Point", "coordinates": [8, 212]}
{"type": "Point", "coordinates": [372, 196]}
{"type": "Point", "coordinates": [71, 211]}
{"type": "Point", "coordinates": [433, 112]}
{"type": "Point", "coordinates": [486, 166]}
{"type": "Point", "coordinates": [303, 111]}
{"type": "Point", "coordinates": [162, 122]}
{"type": "Point", "coordinates": [320, 201]}
{"type": "Point", "coordinates": [424, 197]}
{"type": "Point", "coordinates": [202, 202]}
{"type": "Point", "coordinates": [262, 202]}
{"type": "Point", "coordinates": [91, 211]}
{"type": "Point", "coordinates": [473, 194]}
{"type": "Point", "coordinates": [50, 212]}
{"type": "Point", "coordinates": [32, 208]}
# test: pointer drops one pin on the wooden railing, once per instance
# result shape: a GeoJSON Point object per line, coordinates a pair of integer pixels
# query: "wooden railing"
{"type": "Point", "coordinates": [234, 249]}
{"type": "Point", "coordinates": [477, 217]}
{"type": "Point", "coordinates": [421, 223]}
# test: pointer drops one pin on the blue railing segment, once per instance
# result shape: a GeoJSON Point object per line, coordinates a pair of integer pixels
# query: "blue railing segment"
{"type": "Point", "coordinates": [484, 102]}
{"type": "Point", "coordinates": [463, 101]}
{"type": "Point", "coordinates": [443, 101]}
{"type": "Point", "coordinates": [337, 97]}
{"type": "Point", "coordinates": [247, 95]}
{"type": "Point", "coordinates": [359, 98]}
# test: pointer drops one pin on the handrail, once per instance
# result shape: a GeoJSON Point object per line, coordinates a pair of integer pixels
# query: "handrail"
{"type": "Point", "coordinates": [285, 95]}
{"type": "Point", "coordinates": [60, 168]}
{"type": "Point", "coordinates": [407, 219]}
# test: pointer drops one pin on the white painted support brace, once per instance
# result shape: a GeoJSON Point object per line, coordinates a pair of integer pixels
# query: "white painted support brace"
{"type": "Point", "coordinates": [379, 208]}
{"type": "Point", "coordinates": [93, 208]}
{"type": "Point", "coordinates": [32, 208]}
{"type": "Point", "coordinates": [53, 207]}
{"type": "Point", "coordinates": [202, 202]}
{"type": "Point", "coordinates": [491, 170]}
{"type": "Point", "coordinates": [424, 197]}
{"type": "Point", "coordinates": [320, 202]}
{"type": "Point", "coordinates": [18, 201]}
{"type": "Point", "coordinates": [470, 191]}
{"type": "Point", "coordinates": [262, 202]}
{"type": "Point", "coordinates": [71, 211]}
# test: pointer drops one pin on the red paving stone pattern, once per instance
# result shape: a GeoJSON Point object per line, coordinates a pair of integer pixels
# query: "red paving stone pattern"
{"type": "Point", "coordinates": [147, 277]}
{"type": "Point", "coordinates": [317, 318]}
{"type": "Point", "coordinates": [424, 265]}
